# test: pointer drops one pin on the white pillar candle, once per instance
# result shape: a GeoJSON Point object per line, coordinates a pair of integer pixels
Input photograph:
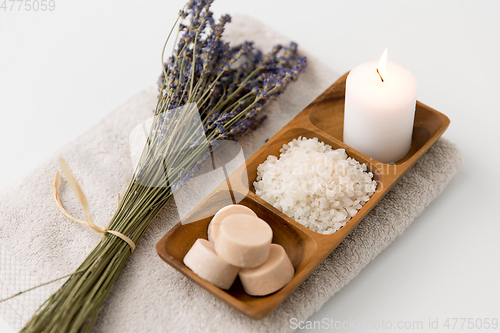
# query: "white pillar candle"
{"type": "Point", "coordinates": [378, 115]}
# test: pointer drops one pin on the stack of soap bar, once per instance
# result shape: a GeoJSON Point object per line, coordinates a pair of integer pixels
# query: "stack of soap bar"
{"type": "Point", "coordinates": [203, 260]}
{"type": "Point", "coordinates": [242, 246]}
{"type": "Point", "coordinates": [244, 240]}
{"type": "Point", "coordinates": [213, 227]}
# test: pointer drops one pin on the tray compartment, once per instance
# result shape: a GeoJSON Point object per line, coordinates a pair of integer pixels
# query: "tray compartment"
{"type": "Point", "coordinates": [327, 114]}
{"type": "Point", "coordinates": [274, 145]}
{"type": "Point", "coordinates": [300, 247]}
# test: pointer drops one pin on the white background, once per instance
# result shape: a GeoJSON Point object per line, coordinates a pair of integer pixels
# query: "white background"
{"type": "Point", "coordinates": [62, 71]}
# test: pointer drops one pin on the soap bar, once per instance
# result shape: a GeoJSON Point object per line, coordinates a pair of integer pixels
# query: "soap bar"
{"type": "Point", "coordinates": [213, 227]}
{"type": "Point", "coordinates": [244, 240]}
{"type": "Point", "coordinates": [273, 275]}
{"type": "Point", "coordinates": [205, 263]}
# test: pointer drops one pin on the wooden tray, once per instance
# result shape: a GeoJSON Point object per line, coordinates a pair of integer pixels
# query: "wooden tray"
{"type": "Point", "coordinates": [322, 119]}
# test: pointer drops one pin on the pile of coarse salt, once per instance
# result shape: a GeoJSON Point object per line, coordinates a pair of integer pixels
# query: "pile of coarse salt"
{"type": "Point", "coordinates": [317, 186]}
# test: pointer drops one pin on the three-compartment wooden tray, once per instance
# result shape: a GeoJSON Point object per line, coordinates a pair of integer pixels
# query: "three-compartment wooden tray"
{"type": "Point", "coordinates": [322, 119]}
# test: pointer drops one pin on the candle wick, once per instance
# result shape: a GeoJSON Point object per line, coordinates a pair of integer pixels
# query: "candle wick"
{"type": "Point", "coordinates": [380, 75]}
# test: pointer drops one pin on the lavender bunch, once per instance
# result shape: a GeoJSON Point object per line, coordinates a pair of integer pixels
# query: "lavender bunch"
{"type": "Point", "coordinates": [208, 91]}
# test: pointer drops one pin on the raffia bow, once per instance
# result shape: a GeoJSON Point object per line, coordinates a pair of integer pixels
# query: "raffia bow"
{"type": "Point", "coordinates": [83, 201]}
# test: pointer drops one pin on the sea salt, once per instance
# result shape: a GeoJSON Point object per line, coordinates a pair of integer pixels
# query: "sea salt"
{"type": "Point", "coordinates": [318, 186]}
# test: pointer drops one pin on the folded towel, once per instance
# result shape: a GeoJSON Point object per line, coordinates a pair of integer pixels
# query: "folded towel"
{"type": "Point", "coordinates": [39, 244]}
